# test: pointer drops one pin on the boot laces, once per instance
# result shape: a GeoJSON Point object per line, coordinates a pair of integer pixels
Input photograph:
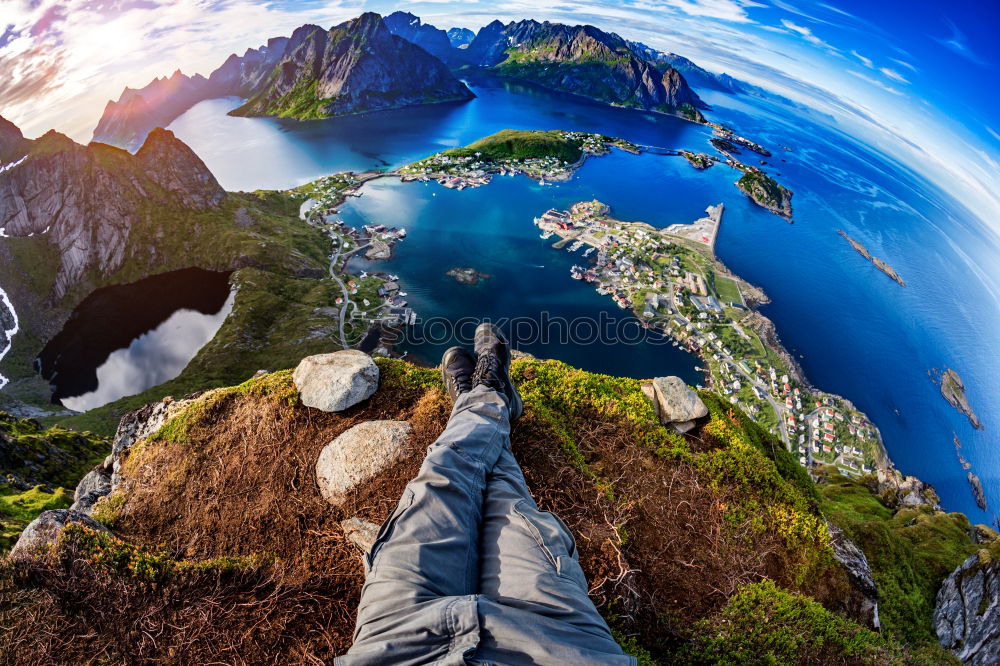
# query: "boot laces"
{"type": "Point", "coordinates": [488, 371]}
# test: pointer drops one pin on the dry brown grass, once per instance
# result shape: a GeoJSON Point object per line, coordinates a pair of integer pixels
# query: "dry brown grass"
{"type": "Point", "coordinates": [658, 548]}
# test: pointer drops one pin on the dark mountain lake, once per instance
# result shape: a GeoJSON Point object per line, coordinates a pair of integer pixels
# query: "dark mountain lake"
{"type": "Point", "coordinates": [125, 339]}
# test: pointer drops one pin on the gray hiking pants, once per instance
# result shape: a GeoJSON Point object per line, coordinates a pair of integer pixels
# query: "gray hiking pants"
{"type": "Point", "coordinates": [467, 570]}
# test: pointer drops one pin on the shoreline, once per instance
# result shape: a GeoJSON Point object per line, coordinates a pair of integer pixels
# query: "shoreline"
{"type": "Point", "coordinates": [797, 423]}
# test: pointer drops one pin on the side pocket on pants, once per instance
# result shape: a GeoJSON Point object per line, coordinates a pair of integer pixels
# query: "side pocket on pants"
{"type": "Point", "coordinates": [385, 532]}
{"type": "Point", "coordinates": [552, 536]}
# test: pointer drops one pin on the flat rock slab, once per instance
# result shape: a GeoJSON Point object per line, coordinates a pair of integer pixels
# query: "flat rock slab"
{"type": "Point", "coordinates": [337, 381]}
{"type": "Point", "coordinates": [44, 531]}
{"type": "Point", "coordinates": [359, 455]}
{"type": "Point", "coordinates": [676, 402]}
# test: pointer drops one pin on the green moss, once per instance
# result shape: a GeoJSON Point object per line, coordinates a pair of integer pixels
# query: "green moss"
{"type": "Point", "coordinates": [910, 552]}
{"type": "Point", "coordinates": [400, 374]}
{"type": "Point", "coordinates": [51, 459]}
{"type": "Point", "coordinates": [17, 509]}
{"type": "Point", "coordinates": [764, 624]}
{"type": "Point", "coordinates": [143, 564]}
{"type": "Point", "coordinates": [278, 386]}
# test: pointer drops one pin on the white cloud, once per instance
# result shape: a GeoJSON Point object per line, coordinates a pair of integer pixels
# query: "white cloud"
{"type": "Point", "coordinates": [867, 62]}
{"type": "Point", "coordinates": [75, 55]}
{"type": "Point", "coordinates": [893, 74]}
{"type": "Point", "coordinates": [903, 63]}
{"type": "Point", "coordinates": [875, 82]}
{"type": "Point", "coordinates": [806, 34]}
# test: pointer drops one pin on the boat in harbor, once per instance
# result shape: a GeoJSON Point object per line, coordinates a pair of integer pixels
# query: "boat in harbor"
{"type": "Point", "coordinates": [589, 251]}
{"type": "Point", "coordinates": [575, 246]}
{"type": "Point", "coordinates": [547, 235]}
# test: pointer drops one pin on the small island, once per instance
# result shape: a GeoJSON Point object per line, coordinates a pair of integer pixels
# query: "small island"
{"type": "Point", "coordinates": [953, 390]}
{"type": "Point", "coordinates": [469, 276]}
{"type": "Point", "coordinates": [766, 192]}
{"type": "Point", "coordinates": [698, 160]}
{"type": "Point", "coordinates": [977, 490]}
{"type": "Point", "coordinates": [879, 264]}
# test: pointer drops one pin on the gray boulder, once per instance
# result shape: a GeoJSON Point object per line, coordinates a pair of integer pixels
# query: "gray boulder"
{"type": "Point", "coordinates": [675, 402]}
{"type": "Point", "coordinates": [43, 531]}
{"type": "Point", "coordinates": [860, 573]}
{"type": "Point", "coordinates": [967, 611]}
{"type": "Point", "coordinates": [359, 455]}
{"type": "Point", "coordinates": [334, 382]}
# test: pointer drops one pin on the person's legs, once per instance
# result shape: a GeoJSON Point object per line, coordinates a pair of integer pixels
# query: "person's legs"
{"type": "Point", "coordinates": [528, 558]}
{"type": "Point", "coordinates": [428, 549]}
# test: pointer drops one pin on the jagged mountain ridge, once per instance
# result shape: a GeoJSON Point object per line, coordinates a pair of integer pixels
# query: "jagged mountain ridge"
{"type": "Point", "coordinates": [433, 40]}
{"type": "Point", "coordinates": [696, 76]}
{"type": "Point", "coordinates": [84, 198]}
{"type": "Point", "coordinates": [583, 60]}
{"type": "Point", "coordinates": [356, 66]}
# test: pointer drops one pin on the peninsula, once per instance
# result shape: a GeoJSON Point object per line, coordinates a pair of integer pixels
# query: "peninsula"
{"type": "Point", "coordinates": [879, 264]}
{"type": "Point", "coordinates": [673, 283]}
{"type": "Point", "coordinates": [549, 156]}
{"type": "Point", "coordinates": [953, 390]}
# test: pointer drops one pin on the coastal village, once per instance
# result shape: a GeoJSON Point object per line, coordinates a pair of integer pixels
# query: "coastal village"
{"type": "Point", "coordinates": [368, 302]}
{"type": "Point", "coordinates": [672, 282]}
{"type": "Point", "coordinates": [467, 168]}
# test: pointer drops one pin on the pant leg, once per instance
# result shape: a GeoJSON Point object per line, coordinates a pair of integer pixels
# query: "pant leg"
{"type": "Point", "coordinates": [529, 559]}
{"type": "Point", "coordinates": [429, 547]}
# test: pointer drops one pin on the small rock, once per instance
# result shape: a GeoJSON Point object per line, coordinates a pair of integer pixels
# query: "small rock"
{"type": "Point", "coordinates": [684, 426]}
{"type": "Point", "coordinates": [45, 530]}
{"type": "Point", "coordinates": [334, 382]}
{"type": "Point", "coordinates": [360, 532]}
{"type": "Point", "coordinates": [676, 402]}
{"type": "Point", "coordinates": [358, 455]}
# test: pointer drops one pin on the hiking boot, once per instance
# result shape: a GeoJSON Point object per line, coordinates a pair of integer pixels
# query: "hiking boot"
{"type": "Point", "coordinates": [457, 368]}
{"type": "Point", "coordinates": [493, 367]}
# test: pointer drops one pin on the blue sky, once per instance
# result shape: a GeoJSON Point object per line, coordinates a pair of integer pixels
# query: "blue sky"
{"type": "Point", "coordinates": [915, 79]}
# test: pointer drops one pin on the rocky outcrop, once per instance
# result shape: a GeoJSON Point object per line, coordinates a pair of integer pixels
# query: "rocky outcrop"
{"type": "Point", "coordinates": [676, 404]}
{"type": "Point", "coordinates": [86, 200]}
{"type": "Point", "coordinates": [337, 381]}
{"type": "Point", "coordinates": [93, 486]}
{"type": "Point", "coordinates": [137, 425]}
{"type": "Point", "coordinates": [896, 490]}
{"type": "Point", "coordinates": [356, 66]}
{"type": "Point", "coordinates": [359, 455]}
{"type": "Point", "coordinates": [586, 61]}
{"type": "Point", "coordinates": [43, 531]}
{"type": "Point", "coordinates": [433, 40]}
{"type": "Point", "coordinates": [967, 610]}
{"type": "Point", "coordinates": [860, 573]}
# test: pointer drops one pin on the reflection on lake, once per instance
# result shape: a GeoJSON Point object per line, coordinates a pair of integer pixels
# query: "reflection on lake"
{"type": "Point", "coordinates": [125, 339]}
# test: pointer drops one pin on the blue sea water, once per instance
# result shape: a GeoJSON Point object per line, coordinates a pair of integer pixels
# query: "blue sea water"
{"type": "Point", "coordinates": [856, 332]}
